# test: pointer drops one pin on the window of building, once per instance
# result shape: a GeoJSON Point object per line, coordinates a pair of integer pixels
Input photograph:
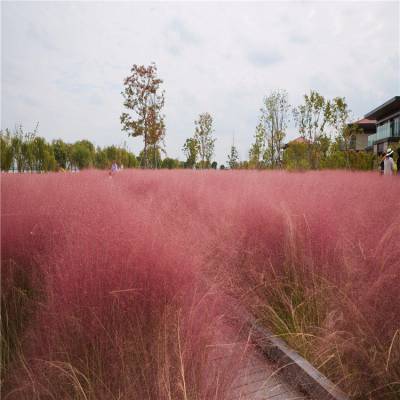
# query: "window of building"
{"type": "Point", "coordinates": [396, 126]}
{"type": "Point", "coordinates": [383, 131]}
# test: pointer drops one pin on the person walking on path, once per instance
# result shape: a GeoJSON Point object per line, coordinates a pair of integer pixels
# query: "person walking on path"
{"type": "Point", "coordinates": [388, 167]}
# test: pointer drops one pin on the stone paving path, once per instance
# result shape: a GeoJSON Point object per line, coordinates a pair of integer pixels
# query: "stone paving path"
{"type": "Point", "coordinates": [258, 380]}
{"type": "Point", "coordinates": [255, 377]}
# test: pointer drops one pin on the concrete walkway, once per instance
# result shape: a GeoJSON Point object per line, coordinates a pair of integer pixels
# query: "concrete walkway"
{"type": "Point", "coordinates": [259, 380]}
{"type": "Point", "coordinates": [254, 376]}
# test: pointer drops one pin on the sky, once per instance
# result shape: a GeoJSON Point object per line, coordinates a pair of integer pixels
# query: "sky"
{"type": "Point", "coordinates": [63, 63]}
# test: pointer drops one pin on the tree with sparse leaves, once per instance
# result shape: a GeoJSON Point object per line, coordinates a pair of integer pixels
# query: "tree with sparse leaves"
{"type": "Point", "coordinates": [7, 153]}
{"type": "Point", "coordinates": [43, 156]}
{"type": "Point", "coordinates": [275, 119]}
{"type": "Point", "coordinates": [61, 152]}
{"type": "Point", "coordinates": [339, 120]}
{"type": "Point", "coordinates": [204, 137]}
{"type": "Point", "coordinates": [191, 151]}
{"type": "Point", "coordinates": [144, 100]}
{"type": "Point", "coordinates": [233, 158]}
{"type": "Point", "coordinates": [311, 118]}
{"type": "Point", "coordinates": [153, 154]}
{"type": "Point", "coordinates": [170, 163]}
{"type": "Point", "coordinates": [257, 149]}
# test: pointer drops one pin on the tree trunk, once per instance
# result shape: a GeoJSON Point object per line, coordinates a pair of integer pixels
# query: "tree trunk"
{"type": "Point", "coordinates": [144, 161]}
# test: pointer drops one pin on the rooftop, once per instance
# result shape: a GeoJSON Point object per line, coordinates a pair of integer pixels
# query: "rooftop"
{"type": "Point", "coordinates": [365, 121]}
{"type": "Point", "coordinates": [299, 139]}
{"type": "Point", "coordinates": [387, 108]}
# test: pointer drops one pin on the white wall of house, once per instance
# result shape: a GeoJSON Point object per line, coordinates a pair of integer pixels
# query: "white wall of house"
{"type": "Point", "coordinates": [361, 141]}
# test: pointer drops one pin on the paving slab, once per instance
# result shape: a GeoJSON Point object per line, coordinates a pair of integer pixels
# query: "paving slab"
{"type": "Point", "coordinates": [257, 379]}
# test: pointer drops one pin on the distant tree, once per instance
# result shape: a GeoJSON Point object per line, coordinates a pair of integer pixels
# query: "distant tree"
{"type": "Point", "coordinates": [16, 145]}
{"type": "Point", "coordinates": [156, 135]}
{"type": "Point", "coordinates": [132, 161]}
{"type": "Point", "coordinates": [104, 157]}
{"type": "Point", "coordinates": [339, 120]}
{"type": "Point", "coordinates": [153, 154]}
{"type": "Point", "coordinates": [28, 152]}
{"type": "Point", "coordinates": [311, 118]}
{"type": "Point", "coordinates": [337, 158]}
{"type": "Point", "coordinates": [323, 145]}
{"type": "Point", "coordinates": [101, 159]}
{"type": "Point", "coordinates": [275, 119]}
{"type": "Point", "coordinates": [214, 165]}
{"type": "Point", "coordinates": [126, 158]}
{"type": "Point", "coordinates": [43, 155]}
{"type": "Point", "coordinates": [170, 163]}
{"type": "Point", "coordinates": [112, 154]}
{"type": "Point", "coordinates": [361, 160]}
{"type": "Point", "coordinates": [257, 149]}
{"type": "Point", "coordinates": [339, 115]}
{"type": "Point", "coordinates": [348, 134]}
{"type": "Point", "coordinates": [22, 148]}
{"type": "Point", "coordinates": [61, 153]}
{"type": "Point", "coordinates": [7, 155]}
{"type": "Point", "coordinates": [295, 156]}
{"type": "Point", "coordinates": [81, 156]}
{"type": "Point", "coordinates": [191, 151]}
{"type": "Point", "coordinates": [144, 101]}
{"type": "Point", "coordinates": [90, 146]}
{"type": "Point", "coordinates": [203, 135]}
{"type": "Point", "coordinates": [123, 157]}
{"type": "Point", "coordinates": [33, 153]}
{"type": "Point", "coordinates": [222, 166]}
{"type": "Point", "coordinates": [233, 158]}
{"type": "Point", "coordinates": [245, 165]}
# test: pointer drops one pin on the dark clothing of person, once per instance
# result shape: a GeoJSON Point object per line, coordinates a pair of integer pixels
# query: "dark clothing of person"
{"type": "Point", "coordinates": [382, 165]}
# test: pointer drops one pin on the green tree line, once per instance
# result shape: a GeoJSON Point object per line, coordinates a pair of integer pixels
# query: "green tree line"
{"type": "Point", "coordinates": [325, 136]}
{"type": "Point", "coordinates": [323, 127]}
{"type": "Point", "coordinates": [27, 152]}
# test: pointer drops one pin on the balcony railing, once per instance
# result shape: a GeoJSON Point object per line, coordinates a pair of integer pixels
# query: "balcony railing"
{"type": "Point", "coordinates": [372, 139]}
{"type": "Point", "coordinates": [385, 131]}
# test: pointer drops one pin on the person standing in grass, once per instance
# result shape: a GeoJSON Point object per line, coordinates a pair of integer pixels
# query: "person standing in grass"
{"type": "Point", "coordinates": [388, 163]}
{"type": "Point", "coordinates": [398, 161]}
{"type": "Point", "coordinates": [114, 168]}
{"type": "Point", "coordinates": [382, 162]}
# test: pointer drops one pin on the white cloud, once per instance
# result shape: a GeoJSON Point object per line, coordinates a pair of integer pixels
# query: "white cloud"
{"type": "Point", "coordinates": [63, 63]}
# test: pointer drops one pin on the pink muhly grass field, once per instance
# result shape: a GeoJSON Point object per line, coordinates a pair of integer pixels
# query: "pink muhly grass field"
{"type": "Point", "coordinates": [110, 286]}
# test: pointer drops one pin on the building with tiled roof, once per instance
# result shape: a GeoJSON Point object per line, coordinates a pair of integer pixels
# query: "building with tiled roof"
{"type": "Point", "coordinates": [387, 118]}
{"type": "Point", "coordinates": [359, 141]}
{"type": "Point", "coordinates": [299, 139]}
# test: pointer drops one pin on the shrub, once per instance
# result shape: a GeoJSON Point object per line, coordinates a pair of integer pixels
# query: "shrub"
{"type": "Point", "coordinates": [122, 315]}
{"type": "Point", "coordinates": [126, 273]}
